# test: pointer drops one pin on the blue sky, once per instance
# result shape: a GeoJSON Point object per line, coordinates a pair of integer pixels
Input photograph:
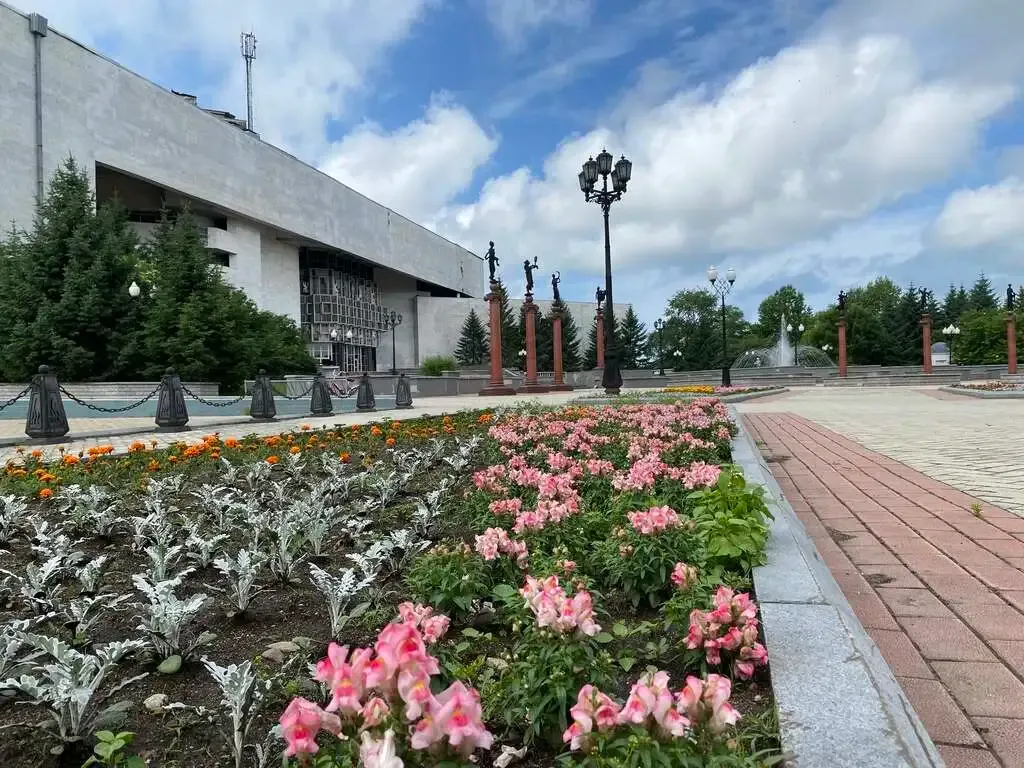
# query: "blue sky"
{"type": "Point", "coordinates": [813, 142]}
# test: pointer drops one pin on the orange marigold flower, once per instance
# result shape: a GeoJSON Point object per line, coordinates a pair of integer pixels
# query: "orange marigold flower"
{"type": "Point", "coordinates": [153, 443]}
{"type": "Point", "coordinates": [305, 427]}
{"type": "Point", "coordinates": [272, 459]}
{"type": "Point", "coordinates": [45, 493]}
{"type": "Point", "coordinates": [345, 457]}
{"type": "Point", "coordinates": [294, 449]}
{"type": "Point", "coordinates": [36, 454]}
{"type": "Point", "coordinates": [136, 447]}
{"type": "Point", "coordinates": [154, 465]}
{"type": "Point", "coordinates": [70, 460]}
{"type": "Point", "coordinates": [172, 459]}
{"type": "Point", "coordinates": [396, 424]}
{"type": "Point", "coordinates": [390, 442]}
{"type": "Point", "coordinates": [376, 431]}
{"type": "Point", "coordinates": [230, 443]}
{"type": "Point", "coordinates": [215, 454]}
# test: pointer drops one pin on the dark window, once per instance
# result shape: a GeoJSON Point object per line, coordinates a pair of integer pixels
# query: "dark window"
{"type": "Point", "coordinates": [219, 222]}
{"type": "Point", "coordinates": [220, 258]}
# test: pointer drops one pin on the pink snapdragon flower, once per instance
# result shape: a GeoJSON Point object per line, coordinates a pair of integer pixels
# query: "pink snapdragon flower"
{"type": "Point", "coordinates": [684, 576]}
{"type": "Point", "coordinates": [654, 520]}
{"type": "Point", "coordinates": [301, 721]}
{"type": "Point", "coordinates": [650, 697]}
{"type": "Point", "coordinates": [700, 474]}
{"type": "Point", "coordinates": [706, 702]}
{"type": "Point", "coordinates": [591, 708]}
{"type": "Point", "coordinates": [344, 676]}
{"type": "Point", "coordinates": [374, 712]}
{"type": "Point", "coordinates": [432, 626]}
{"type": "Point", "coordinates": [381, 753]}
{"type": "Point", "coordinates": [556, 610]}
{"type": "Point", "coordinates": [496, 541]}
{"type": "Point", "coordinates": [731, 626]}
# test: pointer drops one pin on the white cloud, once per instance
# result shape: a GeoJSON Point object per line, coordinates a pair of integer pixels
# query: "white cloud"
{"type": "Point", "coordinates": [311, 57]}
{"type": "Point", "coordinates": [795, 146]}
{"type": "Point", "coordinates": [418, 168]}
{"type": "Point", "coordinates": [514, 20]}
{"type": "Point", "coordinates": [988, 216]}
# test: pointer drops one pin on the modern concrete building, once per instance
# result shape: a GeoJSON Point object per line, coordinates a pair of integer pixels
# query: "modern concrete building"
{"type": "Point", "coordinates": [298, 242]}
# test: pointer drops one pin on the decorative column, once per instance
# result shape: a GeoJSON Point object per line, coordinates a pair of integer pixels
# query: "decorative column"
{"type": "Point", "coordinates": [496, 386]}
{"type": "Point", "coordinates": [556, 332]}
{"type": "Point", "coordinates": [926, 341]}
{"type": "Point", "coordinates": [600, 338]}
{"type": "Point", "coordinates": [1011, 343]}
{"type": "Point", "coordinates": [842, 347]}
{"type": "Point", "coordinates": [530, 386]}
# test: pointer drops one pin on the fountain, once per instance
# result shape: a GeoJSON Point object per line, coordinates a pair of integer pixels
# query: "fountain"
{"type": "Point", "coordinates": [784, 354]}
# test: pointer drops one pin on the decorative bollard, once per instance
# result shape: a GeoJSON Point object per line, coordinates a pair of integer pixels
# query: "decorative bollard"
{"type": "Point", "coordinates": [403, 393]}
{"type": "Point", "coordinates": [46, 419]}
{"type": "Point", "coordinates": [262, 407]}
{"type": "Point", "coordinates": [171, 413]}
{"type": "Point", "coordinates": [320, 401]}
{"type": "Point", "coordinates": [365, 401]}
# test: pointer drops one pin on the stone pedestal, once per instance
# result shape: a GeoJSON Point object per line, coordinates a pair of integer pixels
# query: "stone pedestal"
{"type": "Point", "coordinates": [926, 341]}
{"type": "Point", "coordinates": [556, 332]}
{"type": "Point", "coordinates": [530, 385]}
{"type": "Point", "coordinates": [600, 338]}
{"type": "Point", "coordinates": [842, 347]}
{"type": "Point", "coordinates": [1011, 343]}
{"type": "Point", "coordinates": [496, 386]}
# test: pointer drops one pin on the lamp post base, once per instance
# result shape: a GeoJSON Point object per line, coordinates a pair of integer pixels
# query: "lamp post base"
{"type": "Point", "coordinates": [726, 379]}
{"type": "Point", "coordinates": [611, 378]}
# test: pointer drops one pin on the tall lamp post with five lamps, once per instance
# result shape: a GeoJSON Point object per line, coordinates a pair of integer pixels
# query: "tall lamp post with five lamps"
{"type": "Point", "coordinates": [722, 288]}
{"type": "Point", "coordinates": [620, 173]}
{"type": "Point", "coordinates": [951, 332]}
{"type": "Point", "coordinates": [392, 320]}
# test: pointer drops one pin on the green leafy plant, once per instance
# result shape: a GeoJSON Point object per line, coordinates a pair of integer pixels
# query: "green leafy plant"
{"type": "Point", "coordinates": [109, 750]}
{"type": "Point", "coordinates": [641, 563]}
{"type": "Point", "coordinates": [449, 578]}
{"type": "Point", "coordinates": [436, 365]}
{"type": "Point", "coordinates": [733, 521]}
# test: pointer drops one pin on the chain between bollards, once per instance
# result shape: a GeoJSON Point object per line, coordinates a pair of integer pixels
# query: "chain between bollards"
{"type": "Point", "coordinates": [16, 398]}
{"type": "Point", "coordinates": [101, 409]}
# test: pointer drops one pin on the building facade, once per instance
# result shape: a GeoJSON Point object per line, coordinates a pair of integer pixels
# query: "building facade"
{"type": "Point", "coordinates": [298, 242]}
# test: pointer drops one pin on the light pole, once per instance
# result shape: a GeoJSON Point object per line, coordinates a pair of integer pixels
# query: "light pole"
{"type": "Point", "coordinates": [951, 332]}
{"type": "Point", "coordinates": [659, 326]}
{"type": "Point", "coordinates": [796, 346]}
{"type": "Point", "coordinates": [392, 320]}
{"type": "Point", "coordinates": [722, 289]}
{"type": "Point", "coordinates": [677, 354]}
{"type": "Point", "coordinates": [611, 378]}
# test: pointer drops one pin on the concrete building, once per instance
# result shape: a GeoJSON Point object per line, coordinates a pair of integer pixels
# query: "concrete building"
{"type": "Point", "coordinates": [298, 242]}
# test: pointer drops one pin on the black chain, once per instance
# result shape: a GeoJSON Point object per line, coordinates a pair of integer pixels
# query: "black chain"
{"type": "Point", "coordinates": [299, 397]}
{"type": "Point", "coordinates": [101, 409]}
{"type": "Point", "coordinates": [16, 398]}
{"type": "Point", "coordinates": [210, 403]}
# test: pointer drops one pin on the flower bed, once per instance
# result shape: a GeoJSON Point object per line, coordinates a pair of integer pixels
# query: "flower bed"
{"type": "Point", "coordinates": [992, 386]}
{"type": "Point", "coordinates": [564, 587]}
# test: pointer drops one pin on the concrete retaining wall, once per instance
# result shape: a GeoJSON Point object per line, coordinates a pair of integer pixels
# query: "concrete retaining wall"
{"type": "Point", "coordinates": [115, 390]}
{"type": "Point", "coordinates": [839, 704]}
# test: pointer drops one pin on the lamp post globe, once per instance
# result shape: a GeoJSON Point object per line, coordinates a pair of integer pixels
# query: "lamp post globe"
{"type": "Point", "coordinates": [133, 290]}
{"type": "Point", "coordinates": [659, 327]}
{"type": "Point", "coordinates": [619, 173]}
{"type": "Point", "coordinates": [722, 288]}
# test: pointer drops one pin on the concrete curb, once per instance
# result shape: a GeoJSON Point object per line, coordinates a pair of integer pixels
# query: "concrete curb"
{"type": "Point", "coordinates": [839, 704]}
{"type": "Point", "coordinates": [738, 398]}
{"type": "Point", "coordinates": [982, 394]}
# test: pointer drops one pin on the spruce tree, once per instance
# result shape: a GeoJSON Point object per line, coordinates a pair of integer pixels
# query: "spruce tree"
{"type": "Point", "coordinates": [570, 338]}
{"type": "Point", "coordinates": [632, 340]}
{"type": "Point", "coordinates": [1020, 298]}
{"type": "Point", "coordinates": [982, 297]}
{"type": "Point", "coordinates": [472, 348]}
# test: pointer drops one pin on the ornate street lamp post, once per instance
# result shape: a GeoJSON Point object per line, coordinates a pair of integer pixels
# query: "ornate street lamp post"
{"type": "Point", "coordinates": [392, 320]}
{"type": "Point", "coordinates": [620, 173]}
{"type": "Point", "coordinates": [722, 289]}
{"type": "Point", "coordinates": [951, 332]}
{"type": "Point", "coordinates": [659, 326]}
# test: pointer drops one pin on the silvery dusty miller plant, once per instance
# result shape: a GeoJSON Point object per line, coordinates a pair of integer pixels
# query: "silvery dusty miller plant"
{"type": "Point", "coordinates": [242, 694]}
{"type": "Point", "coordinates": [168, 616]}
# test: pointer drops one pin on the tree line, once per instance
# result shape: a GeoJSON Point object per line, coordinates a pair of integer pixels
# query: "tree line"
{"type": "Point", "coordinates": [64, 290]}
{"type": "Point", "coordinates": [883, 324]}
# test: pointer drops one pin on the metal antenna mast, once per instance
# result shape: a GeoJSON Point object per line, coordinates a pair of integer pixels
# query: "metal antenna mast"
{"type": "Point", "coordinates": [248, 53]}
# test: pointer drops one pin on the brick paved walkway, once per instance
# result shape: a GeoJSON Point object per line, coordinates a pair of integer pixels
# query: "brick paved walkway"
{"type": "Point", "coordinates": [938, 588]}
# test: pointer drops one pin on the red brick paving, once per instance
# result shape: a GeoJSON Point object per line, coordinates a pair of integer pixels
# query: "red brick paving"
{"type": "Point", "coordinates": [938, 588]}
